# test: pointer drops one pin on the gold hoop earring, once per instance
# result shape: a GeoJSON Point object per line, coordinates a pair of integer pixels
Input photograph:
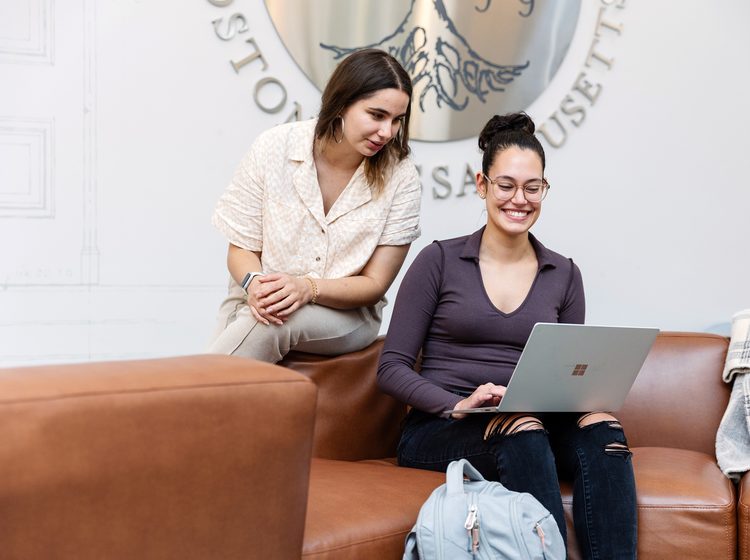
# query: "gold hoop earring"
{"type": "Point", "coordinates": [333, 130]}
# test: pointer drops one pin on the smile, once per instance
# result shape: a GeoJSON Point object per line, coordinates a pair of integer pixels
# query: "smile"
{"type": "Point", "coordinates": [517, 213]}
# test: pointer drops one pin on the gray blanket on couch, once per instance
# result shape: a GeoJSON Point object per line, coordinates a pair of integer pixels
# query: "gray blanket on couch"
{"type": "Point", "coordinates": [733, 435]}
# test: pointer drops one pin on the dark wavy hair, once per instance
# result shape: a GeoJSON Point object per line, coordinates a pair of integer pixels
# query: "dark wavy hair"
{"type": "Point", "coordinates": [502, 132]}
{"type": "Point", "coordinates": [359, 76]}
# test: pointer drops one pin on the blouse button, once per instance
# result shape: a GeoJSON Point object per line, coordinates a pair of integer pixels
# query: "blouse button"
{"type": "Point", "coordinates": [317, 258]}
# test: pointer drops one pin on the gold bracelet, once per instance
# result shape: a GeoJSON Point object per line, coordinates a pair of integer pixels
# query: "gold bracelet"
{"type": "Point", "coordinates": [314, 287]}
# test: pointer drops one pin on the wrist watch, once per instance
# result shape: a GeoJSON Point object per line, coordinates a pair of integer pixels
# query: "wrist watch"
{"type": "Point", "coordinates": [246, 281]}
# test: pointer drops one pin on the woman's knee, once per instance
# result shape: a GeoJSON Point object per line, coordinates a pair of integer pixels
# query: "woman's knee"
{"type": "Point", "coordinates": [595, 417]}
{"type": "Point", "coordinates": [510, 424]}
{"type": "Point", "coordinates": [607, 433]}
{"type": "Point", "coordinates": [249, 338]}
{"type": "Point", "coordinates": [525, 462]}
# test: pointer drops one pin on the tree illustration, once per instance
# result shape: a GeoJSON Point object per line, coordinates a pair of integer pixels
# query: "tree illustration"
{"type": "Point", "coordinates": [443, 64]}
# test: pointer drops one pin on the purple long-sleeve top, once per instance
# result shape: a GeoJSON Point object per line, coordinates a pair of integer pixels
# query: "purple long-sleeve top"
{"type": "Point", "coordinates": [443, 310]}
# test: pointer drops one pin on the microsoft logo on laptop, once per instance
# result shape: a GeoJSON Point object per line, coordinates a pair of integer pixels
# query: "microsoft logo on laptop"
{"type": "Point", "coordinates": [579, 370]}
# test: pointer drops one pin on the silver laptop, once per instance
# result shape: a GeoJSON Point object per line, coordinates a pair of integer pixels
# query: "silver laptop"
{"type": "Point", "coordinates": [575, 368]}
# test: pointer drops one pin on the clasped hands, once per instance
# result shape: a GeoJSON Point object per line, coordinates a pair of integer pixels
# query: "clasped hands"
{"type": "Point", "coordinates": [487, 394]}
{"type": "Point", "coordinates": [272, 298]}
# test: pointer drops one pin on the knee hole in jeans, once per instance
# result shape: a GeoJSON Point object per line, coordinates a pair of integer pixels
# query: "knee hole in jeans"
{"type": "Point", "coordinates": [508, 424]}
{"type": "Point", "coordinates": [614, 448]}
{"type": "Point", "coordinates": [591, 418]}
{"type": "Point", "coordinates": [617, 448]}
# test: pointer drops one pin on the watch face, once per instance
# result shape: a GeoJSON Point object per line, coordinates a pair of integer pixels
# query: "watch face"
{"type": "Point", "coordinates": [246, 280]}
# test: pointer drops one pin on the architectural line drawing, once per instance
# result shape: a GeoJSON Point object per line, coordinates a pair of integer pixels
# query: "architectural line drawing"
{"type": "Point", "coordinates": [35, 199]}
{"type": "Point", "coordinates": [38, 46]}
{"type": "Point", "coordinates": [90, 249]}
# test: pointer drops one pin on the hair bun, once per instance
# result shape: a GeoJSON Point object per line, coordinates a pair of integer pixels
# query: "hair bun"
{"type": "Point", "coordinates": [505, 123]}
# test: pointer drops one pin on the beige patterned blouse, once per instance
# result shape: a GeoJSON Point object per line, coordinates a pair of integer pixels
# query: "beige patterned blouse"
{"type": "Point", "coordinates": [274, 205]}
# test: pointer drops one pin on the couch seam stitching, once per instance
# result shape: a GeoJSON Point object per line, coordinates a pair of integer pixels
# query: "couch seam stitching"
{"type": "Point", "coordinates": [359, 542]}
{"type": "Point", "coordinates": [149, 390]}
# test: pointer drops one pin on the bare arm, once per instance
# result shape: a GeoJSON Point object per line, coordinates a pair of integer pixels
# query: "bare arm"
{"type": "Point", "coordinates": [281, 294]}
{"type": "Point", "coordinates": [370, 285]}
{"type": "Point", "coordinates": [241, 261]}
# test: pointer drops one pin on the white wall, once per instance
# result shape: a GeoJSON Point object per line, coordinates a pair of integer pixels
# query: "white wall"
{"type": "Point", "coordinates": [122, 121]}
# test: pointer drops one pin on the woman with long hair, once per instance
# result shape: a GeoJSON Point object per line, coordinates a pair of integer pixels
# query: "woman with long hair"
{"type": "Point", "coordinates": [319, 218]}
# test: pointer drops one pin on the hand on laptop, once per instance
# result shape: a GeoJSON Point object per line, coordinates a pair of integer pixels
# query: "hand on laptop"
{"type": "Point", "coordinates": [488, 394]}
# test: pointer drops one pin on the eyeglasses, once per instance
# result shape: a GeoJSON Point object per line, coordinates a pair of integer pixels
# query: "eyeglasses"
{"type": "Point", "coordinates": [505, 190]}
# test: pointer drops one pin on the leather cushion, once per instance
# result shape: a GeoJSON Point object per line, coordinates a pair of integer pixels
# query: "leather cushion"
{"type": "Point", "coordinates": [363, 510]}
{"type": "Point", "coordinates": [686, 506]}
{"type": "Point", "coordinates": [678, 398]}
{"type": "Point", "coordinates": [164, 458]}
{"type": "Point", "coordinates": [743, 518]}
{"type": "Point", "coordinates": [354, 419]}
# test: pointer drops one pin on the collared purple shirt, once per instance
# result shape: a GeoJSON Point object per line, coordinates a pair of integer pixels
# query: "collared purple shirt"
{"type": "Point", "coordinates": [443, 310]}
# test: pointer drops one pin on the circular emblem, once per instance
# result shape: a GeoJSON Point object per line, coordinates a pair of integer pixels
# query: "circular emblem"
{"type": "Point", "coordinates": [467, 60]}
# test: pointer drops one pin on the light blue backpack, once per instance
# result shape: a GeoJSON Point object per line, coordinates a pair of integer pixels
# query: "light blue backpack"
{"type": "Point", "coordinates": [477, 518]}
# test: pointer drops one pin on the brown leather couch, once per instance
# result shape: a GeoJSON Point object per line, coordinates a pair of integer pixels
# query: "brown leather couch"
{"type": "Point", "coordinates": [361, 505]}
{"type": "Point", "coordinates": [209, 457]}
{"type": "Point", "coordinates": [203, 457]}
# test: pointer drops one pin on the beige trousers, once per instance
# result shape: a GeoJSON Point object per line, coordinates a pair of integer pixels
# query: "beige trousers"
{"type": "Point", "coordinates": [312, 328]}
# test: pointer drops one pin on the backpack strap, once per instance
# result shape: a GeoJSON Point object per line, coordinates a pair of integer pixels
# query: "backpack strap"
{"type": "Point", "coordinates": [410, 549]}
{"type": "Point", "coordinates": [454, 477]}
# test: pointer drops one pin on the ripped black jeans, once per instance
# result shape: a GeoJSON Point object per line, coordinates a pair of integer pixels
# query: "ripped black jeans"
{"type": "Point", "coordinates": [594, 457]}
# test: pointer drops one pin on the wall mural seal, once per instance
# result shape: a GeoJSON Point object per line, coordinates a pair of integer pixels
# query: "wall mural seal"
{"type": "Point", "coordinates": [469, 59]}
{"type": "Point", "coordinates": [466, 59]}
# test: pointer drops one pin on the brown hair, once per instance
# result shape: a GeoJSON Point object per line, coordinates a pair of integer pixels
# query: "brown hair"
{"type": "Point", "coordinates": [359, 76]}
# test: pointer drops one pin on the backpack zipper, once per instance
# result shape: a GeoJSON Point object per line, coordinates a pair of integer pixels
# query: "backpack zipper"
{"type": "Point", "coordinates": [517, 530]}
{"type": "Point", "coordinates": [540, 532]}
{"type": "Point", "coordinates": [472, 526]}
{"type": "Point", "coordinates": [439, 527]}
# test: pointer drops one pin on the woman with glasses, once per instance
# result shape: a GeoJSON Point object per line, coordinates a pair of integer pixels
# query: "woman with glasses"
{"type": "Point", "coordinates": [319, 217]}
{"type": "Point", "coordinates": [467, 306]}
